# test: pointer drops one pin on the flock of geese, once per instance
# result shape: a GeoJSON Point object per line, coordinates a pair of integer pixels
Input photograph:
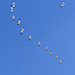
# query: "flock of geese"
{"type": "Point", "coordinates": [22, 30]}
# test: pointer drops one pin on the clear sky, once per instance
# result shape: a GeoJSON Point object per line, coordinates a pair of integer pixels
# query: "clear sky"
{"type": "Point", "coordinates": [46, 22]}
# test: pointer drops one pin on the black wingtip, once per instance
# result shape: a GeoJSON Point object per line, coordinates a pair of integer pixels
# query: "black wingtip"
{"type": "Point", "coordinates": [11, 5]}
{"type": "Point", "coordinates": [61, 6]}
{"type": "Point", "coordinates": [20, 33]}
{"type": "Point", "coordinates": [13, 19]}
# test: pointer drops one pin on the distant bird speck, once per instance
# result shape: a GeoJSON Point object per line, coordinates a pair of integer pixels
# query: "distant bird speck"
{"type": "Point", "coordinates": [56, 57]}
{"type": "Point", "coordinates": [46, 48]}
{"type": "Point", "coordinates": [59, 61]}
{"type": "Point", "coordinates": [22, 30]}
{"type": "Point", "coordinates": [29, 38]}
{"type": "Point", "coordinates": [38, 43]}
{"type": "Point", "coordinates": [50, 53]}
{"type": "Point", "coordinates": [13, 4]}
{"type": "Point", "coordinates": [19, 21]}
{"type": "Point", "coordinates": [11, 9]}
{"type": "Point", "coordinates": [13, 17]}
{"type": "Point", "coordinates": [63, 4]}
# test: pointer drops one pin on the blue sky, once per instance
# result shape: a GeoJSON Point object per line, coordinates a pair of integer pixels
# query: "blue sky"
{"type": "Point", "coordinates": [46, 22]}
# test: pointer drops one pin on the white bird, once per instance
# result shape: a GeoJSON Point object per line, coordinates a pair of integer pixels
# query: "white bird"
{"type": "Point", "coordinates": [13, 4]}
{"type": "Point", "coordinates": [56, 57]}
{"type": "Point", "coordinates": [13, 17]}
{"type": "Point", "coordinates": [59, 61]}
{"type": "Point", "coordinates": [46, 48]}
{"type": "Point", "coordinates": [22, 30]}
{"type": "Point", "coordinates": [38, 43]}
{"type": "Point", "coordinates": [29, 38]}
{"type": "Point", "coordinates": [11, 9]}
{"type": "Point", "coordinates": [19, 21]}
{"type": "Point", "coordinates": [63, 4]}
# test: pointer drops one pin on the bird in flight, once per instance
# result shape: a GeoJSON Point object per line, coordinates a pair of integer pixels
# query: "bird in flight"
{"type": "Point", "coordinates": [63, 4]}
{"type": "Point", "coordinates": [38, 43]}
{"type": "Point", "coordinates": [56, 57]}
{"type": "Point", "coordinates": [13, 17]}
{"type": "Point", "coordinates": [22, 30]}
{"type": "Point", "coordinates": [46, 48]}
{"type": "Point", "coordinates": [50, 53]}
{"type": "Point", "coordinates": [29, 38]}
{"type": "Point", "coordinates": [13, 4]}
{"type": "Point", "coordinates": [19, 21]}
{"type": "Point", "coordinates": [11, 9]}
{"type": "Point", "coordinates": [59, 61]}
